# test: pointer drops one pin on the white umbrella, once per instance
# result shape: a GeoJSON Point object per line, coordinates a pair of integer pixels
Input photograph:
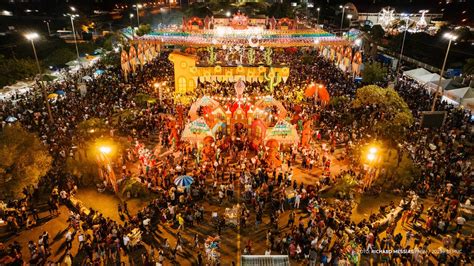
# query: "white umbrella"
{"type": "Point", "coordinates": [11, 119]}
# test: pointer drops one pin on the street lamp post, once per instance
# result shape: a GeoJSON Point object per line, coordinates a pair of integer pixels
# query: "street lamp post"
{"type": "Point", "coordinates": [72, 16]}
{"type": "Point", "coordinates": [451, 37]}
{"type": "Point", "coordinates": [372, 158]}
{"type": "Point", "coordinates": [349, 17]}
{"type": "Point", "coordinates": [131, 24]}
{"type": "Point", "coordinates": [317, 20]}
{"type": "Point", "coordinates": [138, 6]}
{"type": "Point", "coordinates": [403, 42]}
{"type": "Point", "coordinates": [31, 37]}
{"type": "Point", "coordinates": [49, 29]}
{"type": "Point", "coordinates": [342, 17]}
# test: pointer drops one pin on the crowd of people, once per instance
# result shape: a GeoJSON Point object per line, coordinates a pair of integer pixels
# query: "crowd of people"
{"type": "Point", "coordinates": [309, 228]}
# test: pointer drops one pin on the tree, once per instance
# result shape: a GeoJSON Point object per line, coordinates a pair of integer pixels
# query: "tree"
{"type": "Point", "coordinates": [142, 99]}
{"type": "Point", "coordinates": [392, 112]}
{"type": "Point", "coordinates": [93, 127]}
{"type": "Point", "coordinates": [60, 57]}
{"type": "Point", "coordinates": [23, 160]}
{"type": "Point", "coordinates": [377, 33]}
{"type": "Point", "coordinates": [468, 68]}
{"type": "Point", "coordinates": [143, 29]}
{"type": "Point", "coordinates": [374, 37]}
{"type": "Point", "coordinates": [373, 73]}
{"type": "Point", "coordinates": [16, 69]}
{"type": "Point", "coordinates": [281, 10]}
{"type": "Point", "coordinates": [112, 59]}
{"type": "Point", "coordinates": [463, 33]}
{"type": "Point", "coordinates": [198, 10]}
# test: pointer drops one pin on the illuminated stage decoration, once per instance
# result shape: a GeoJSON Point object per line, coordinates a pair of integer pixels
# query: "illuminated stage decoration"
{"type": "Point", "coordinates": [226, 36]}
{"type": "Point", "coordinates": [239, 21]}
{"type": "Point", "coordinates": [186, 77]}
{"type": "Point", "coordinates": [386, 17]}
{"type": "Point", "coordinates": [421, 23]}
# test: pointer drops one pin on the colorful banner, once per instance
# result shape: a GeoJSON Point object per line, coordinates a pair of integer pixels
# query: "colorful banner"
{"type": "Point", "coordinates": [133, 58]}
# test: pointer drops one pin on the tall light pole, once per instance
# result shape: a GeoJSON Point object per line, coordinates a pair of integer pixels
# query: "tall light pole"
{"type": "Point", "coordinates": [47, 24]}
{"type": "Point", "coordinates": [72, 16]}
{"type": "Point", "coordinates": [451, 37]}
{"type": "Point", "coordinates": [317, 20]}
{"type": "Point", "coordinates": [349, 17]}
{"type": "Point", "coordinates": [31, 37]}
{"type": "Point", "coordinates": [138, 6]}
{"type": "Point", "coordinates": [131, 25]}
{"type": "Point", "coordinates": [406, 17]}
{"type": "Point", "coordinates": [342, 17]}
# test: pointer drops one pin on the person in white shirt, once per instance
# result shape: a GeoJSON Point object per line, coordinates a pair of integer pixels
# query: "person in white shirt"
{"type": "Point", "coordinates": [460, 222]}
{"type": "Point", "coordinates": [297, 201]}
{"type": "Point", "coordinates": [126, 240]}
{"type": "Point", "coordinates": [68, 240]}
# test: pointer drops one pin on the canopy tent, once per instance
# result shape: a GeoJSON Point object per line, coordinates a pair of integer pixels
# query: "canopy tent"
{"type": "Point", "coordinates": [76, 63]}
{"type": "Point", "coordinates": [196, 131]}
{"type": "Point", "coordinates": [201, 102]}
{"type": "Point", "coordinates": [283, 132]}
{"type": "Point", "coordinates": [461, 94]}
{"type": "Point", "coordinates": [427, 78]}
{"type": "Point", "coordinates": [432, 86]}
{"type": "Point", "coordinates": [269, 101]}
{"type": "Point", "coordinates": [417, 72]}
{"type": "Point", "coordinates": [469, 104]}
{"type": "Point", "coordinates": [18, 88]}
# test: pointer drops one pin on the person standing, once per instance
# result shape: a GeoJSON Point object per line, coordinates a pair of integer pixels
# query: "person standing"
{"type": "Point", "coordinates": [68, 240]}
{"type": "Point", "coordinates": [460, 222]}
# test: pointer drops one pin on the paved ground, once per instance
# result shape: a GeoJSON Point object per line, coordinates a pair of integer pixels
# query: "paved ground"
{"type": "Point", "coordinates": [106, 203]}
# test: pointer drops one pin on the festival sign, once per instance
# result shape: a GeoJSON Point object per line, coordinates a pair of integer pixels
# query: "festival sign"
{"type": "Point", "coordinates": [283, 132]}
{"type": "Point", "coordinates": [196, 131]}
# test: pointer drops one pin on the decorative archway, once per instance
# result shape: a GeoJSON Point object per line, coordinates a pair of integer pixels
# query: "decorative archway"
{"type": "Point", "coordinates": [193, 21]}
{"type": "Point", "coordinates": [285, 22]}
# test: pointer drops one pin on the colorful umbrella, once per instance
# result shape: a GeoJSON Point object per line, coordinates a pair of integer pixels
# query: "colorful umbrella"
{"type": "Point", "coordinates": [53, 96]}
{"type": "Point", "coordinates": [183, 181]}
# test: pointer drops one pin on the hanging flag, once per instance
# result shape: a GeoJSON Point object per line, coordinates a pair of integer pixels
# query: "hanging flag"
{"type": "Point", "coordinates": [125, 63]}
{"type": "Point", "coordinates": [141, 58]}
{"type": "Point", "coordinates": [133, 58]}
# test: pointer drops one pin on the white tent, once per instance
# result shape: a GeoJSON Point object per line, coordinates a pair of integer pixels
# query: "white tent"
{"type": "Point", "coordinates": [432, 86]}
{"type": "Point", "coordinates": [432, 77]}
{"type": "Point", "coordinates": [460, 94]}
{"type": "Point", "coordinates": [468, 103]}
{"type": "Point", "coordinates": [417, 72]}
{"type": "Point", "coordinates": [20, 87]}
